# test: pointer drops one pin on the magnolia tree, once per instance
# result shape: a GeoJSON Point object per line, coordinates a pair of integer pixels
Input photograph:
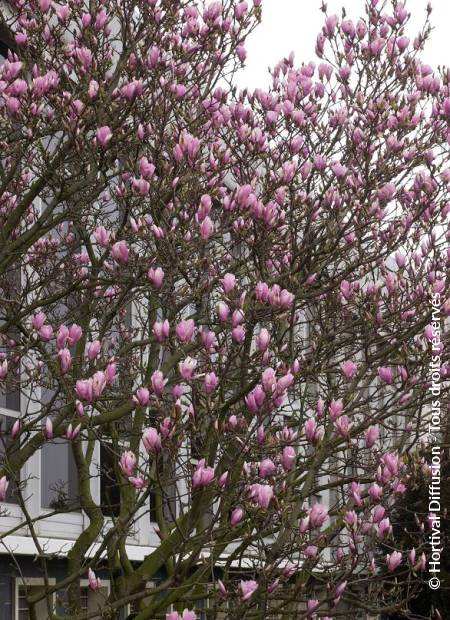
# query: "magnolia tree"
{"type": "Point", "coordinates": [232, 293]}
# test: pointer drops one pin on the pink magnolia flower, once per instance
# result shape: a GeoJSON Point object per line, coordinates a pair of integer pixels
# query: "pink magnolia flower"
{"type": "Point", "coordinates": [223, 311]}
{"type": "Point", "coordinates": [349, 369]}
{"type": "Point", "coordinates": [222, 589]}
{"type": "Point", "coordinates": [393, 560]}
{"type": "Point", "coordinates": [98, 382]}
{"type": "Point", "coordinates": [83, 388]}
{"type": "Point", "coordinates": [48, 428]}
{"type": "Point", "coordinates": [261, 494]}
{"type": "Point", "coordinates": [375, 492]}
{"type": "Point", "coordinates": [120, 252]}
{"type": "Point", "coordinates": [336, 409]}
{"type": "Point", "coordinates": [128, 463]}
{"type": "Point", "coordinates": [384, 528]}
{"type": "Point", "coordinates": [236, 516]}
{"type": "Point", "coordinates": [110, 373]}
{"type": "Point", "coordinates": [187, 368]}
{"type": "Point", "coordinates": [211, 382]}
{"type": "Point", "coordinates": [238, 334]}
{"type": "Point", "coordinates": [318, 515]}
{"type": "Point", "coordinates": [3, 369]}
{"type": "Point", "coordinates": [372, 434]}
{"type": "Point", "coordinates": [185, 330]}
{"type": "Point", "coordinates": [65, 360]}
{"type": "Point", "coordinates": [142, 397]}
{"type": "Point", "coordinates": [343, 425]}
{"type": "Point", "coordinates": [104, 135]}
{"type": "Point", "coordinates": [94, 582]}
{"type": "Point", "coordinates": [38, 321]}
{"type": "Point", "coordinates": [266, 468]}
{"type": "Point", "coordinates": [263, 339]}
{"type": "Point", "coordinates": [311, 606]}
{"type": "Point", "coordinates": [4, 484]}
{"type": "Point", "coordinates": [268, 380]}
{"type": "Point", "coordinates": [228, 283]}
{"type": "Point", "coordinates": [138, 483]}
{"type": "Point", "coordinates": [74, 335]}
{"type": "Point", "coordinates": [158, 382]}
{"type": "Point", "coordinates": [94, 349]}
{"type": "Point", "coordinates": [386, 375]}
{"type": "Point", "coordinates": [311, 552]}
{"type": "Point", "coordinates": [62, 336]}
{"type": "Point", "coordinates": [146, 168]}
{"type": "Point", "coordinates": [288, 458]}
{"type": "Point", "coordinates": [203, 475]}
{"type": "Point", "coordinates": [156, 276]}
{"type": "Point", "coordinates": [247, 588]}
{"type": "Point", "coordinates": [161, 330]}
{"type": "Point", "coordinates": [72, 433]}
{"type": "Point", "coordinates": [46, 333]}
{"type": "Point", "coordinates": [223, 479]}
{"type": "Point", "coordinates": [151, 440]}
{"type": "Point", "coordinates": [15, 430]}
{"type": "Point", "coordinates": [206, 228]}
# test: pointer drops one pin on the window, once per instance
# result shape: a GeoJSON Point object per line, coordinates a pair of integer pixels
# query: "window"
{"type": "Point", "coordinates": [89, 601]}
{"type": "Point", "coordinates": [134, 607]}
{"type": "Point", "coordinates": [94, 601]}
{"type": "Point", "coordinates": [59, 477]}
{"type": "Point", "coordinates": [27, 588]}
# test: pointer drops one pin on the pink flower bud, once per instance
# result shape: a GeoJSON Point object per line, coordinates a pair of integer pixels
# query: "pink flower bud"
{"type": "Point", "coordinates": [187, 368]}
{"type": "Point", "coordinates": [158, 382]}
{"type": "Point", "coordinates": [228, 283]}
{"type": "Point", "coordinates": [372, 434]}
{"type": "Point", "coordinates": [266, 468]}
{"type": "Point", "coordinates": [161, 330]}
{"type": "Point", "coordinates": [223, 311]}
{"type": "Point", "coordinates": [203, 475]}
{"type": "Point", "coordinates": [128, 463]}
{"type": "Point", "coordinates": [146, 168]}
{"type": "Point", "coordinates": [38, 321]}
{"type": "Point", "coordinates": [48, 429]}
{"type": "Point", "coordinates": [288, 458]}
{"type": "Point", "coordinates": [65, 360]}
{"type": "Point", "coordinates": [46, 333]}
{"type": "Point", "coordinates": [393, 560]}
{"type": "Point", "coordinates": [151, 440]}
{"type": "Point", "coordinates": [211, 382]}
{"type": "Point", "coordinates": [247, 589]}
{"type": "Point", "coordinates": [120, 252]}
{"type": "Point", "coordinates": [94, 582]}
{"type": "Point", "coordinates": [94, 349]}
{"type": "Point", "coordinates": [104, 135]}
{"type": "Point", "coordinates": [4, 484]}
{"type": "Point", "coordinates": [236, 516]}
{"type": "Point", "coordinates": [74, 335]}
{"type": "Point", "coordinates": [142, 397]}
{"type": "Point", "coordinates": [156, 277]}
{"type": "Point", "coordinates": [185, 330]}
{"type": "Point", "coordinates": [386, 375]}
{"type": "Point", "coordinates": [349, 369]}
{"type": "Point", "coordinates": [317, 515]}
{"type": "Point", "coordinates": [238, 334]}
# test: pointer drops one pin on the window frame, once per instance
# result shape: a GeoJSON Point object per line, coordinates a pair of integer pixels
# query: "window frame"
{"type": "Point", "coordinates": [29, 582]}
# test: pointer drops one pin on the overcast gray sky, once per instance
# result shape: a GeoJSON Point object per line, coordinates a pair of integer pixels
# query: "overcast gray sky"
{"type": "Point", "coordinates": [292, 25]}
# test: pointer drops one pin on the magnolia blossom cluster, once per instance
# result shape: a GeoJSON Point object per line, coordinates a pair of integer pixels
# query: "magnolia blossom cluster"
{"type": "Point", "coordinates": [229, 290]}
